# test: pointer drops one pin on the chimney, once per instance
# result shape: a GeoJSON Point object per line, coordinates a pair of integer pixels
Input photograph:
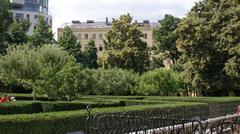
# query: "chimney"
{"type": "Point", "coordinates": [90, 21]}
{"type": "Point", "coordinates": [146, 21]}
{"type": "Point", "coordinates": [76, 22]}
{"type": "Point", "coordinates": [107, 21]}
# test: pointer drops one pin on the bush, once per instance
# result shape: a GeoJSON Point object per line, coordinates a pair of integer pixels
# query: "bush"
{"type": "Point", "coordinates": [114, 82]}
{"type": "Point", "coordinates": [39, 107]}
{"type": "Point", "coordinates": [47, 70]}
{"type": "Point", "coordinates": [63, 122]}
{"type": "Point", "coordinates": [159, 82]}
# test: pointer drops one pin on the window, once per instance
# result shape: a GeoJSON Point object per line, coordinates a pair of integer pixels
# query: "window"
{"type": "Point", "coordinates": [100, 36]}
{"type": "Point", "coordinates": [47, 20]}
{"type": "Point", "coordinates": [86, 36]}
{"type": "Point", "coordinates": [100, 47]}
{"type": "Point", "coordinates": [36, 17]}
{"type": "Point", "coordinates": [28, 17]}
{"type": "Point", "coordinates": [19, 17]}
{"type": "Point", "coordinates": [79, 36]}
{"type": "Point", "coordinates": [94, 36]}
{"type": "Point", "coordinates": [145, 36]}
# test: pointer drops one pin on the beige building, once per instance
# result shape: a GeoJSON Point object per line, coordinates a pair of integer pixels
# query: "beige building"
{"type": "Point", "coordinates": [90, 30]}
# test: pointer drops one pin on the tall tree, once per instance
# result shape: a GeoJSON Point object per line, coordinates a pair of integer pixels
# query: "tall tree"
{"type": "Point", "coordinates": [5, 20]}
{"type": "Point", "coordinates": [69, 42]}
{"type": "Point", "coordinates": [17, 32]}
{"type": "Point", "coordinates": [124, 46]}
{"type": "Point", "coordinates": [42, 34]}
{"type": "Point", "coordinates": [90, 55]}
{"type": "Point", "coordinates": [165, 38]}
{"type": "Point", "coordinates": [209, 37]}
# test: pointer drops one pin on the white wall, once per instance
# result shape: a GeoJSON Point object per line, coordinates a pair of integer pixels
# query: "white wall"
{"type": "Point", "coordinates": [33, 21]}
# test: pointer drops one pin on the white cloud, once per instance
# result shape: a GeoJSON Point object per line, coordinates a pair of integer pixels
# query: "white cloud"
{"type": "Point", "coordinates": [67, 10]}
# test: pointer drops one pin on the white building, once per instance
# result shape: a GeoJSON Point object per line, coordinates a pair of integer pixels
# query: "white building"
{"type": "Point", "coordinates": [30, 10]}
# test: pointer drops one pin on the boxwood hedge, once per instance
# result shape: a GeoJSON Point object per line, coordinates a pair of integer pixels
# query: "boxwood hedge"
{"type": "Point", "coordinates": [68, 121]}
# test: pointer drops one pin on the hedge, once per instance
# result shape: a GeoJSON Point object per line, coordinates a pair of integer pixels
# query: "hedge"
{"type": "Point", "coordinates": [209, 100]}
{"type": "Point", "coordinates": [25, 107]}
{"type": "Point", "coordinates": [63, 122]}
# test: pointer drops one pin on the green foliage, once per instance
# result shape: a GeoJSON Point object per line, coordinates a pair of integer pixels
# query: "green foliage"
{"type": "Point", "coordinates": [20, 108]}
{"type": "Point", "coordinates": [5, 21]}
{"type": "Point", "coordinates": [232, 67]}
{"type": "Point", "coordinates": [207, 36]}
{"type": "Point", "coordinates": [156, 58]}
{"type": "Point", "coordinates": [42, 34]}
{"type": "Point", "coordinates": [124, 47]}
{"type": "Point", "coordinates": [90, 55]}
{"type": "Point", "coordinates": [17, 32]}
{"type": "Point", "coordinates": [29, 107]}
{"type": "Point", "coordinates": [159, 82]}
{"type": "Point", "coordinates": [68, 121]}
{"type": "Point", "coordinates": [47, 71]}
{"type": "Point", "coordinates": [59, 75]}
{"type": "Point", "coordinates": [165, 38]}
{"type": "Point", "coordinates": [19, 67]}
{"type": "Point", "coordinates": [69, 43]}
{"type": "Point", "coordinates": [114, 82]}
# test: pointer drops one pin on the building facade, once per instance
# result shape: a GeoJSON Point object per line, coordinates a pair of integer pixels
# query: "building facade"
{"type": "Point", "coordinates": [30, 10]}
{"type": "Point", "coordinates": [90, 30]}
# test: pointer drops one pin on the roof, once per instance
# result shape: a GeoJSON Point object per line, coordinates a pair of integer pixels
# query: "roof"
{"type": "Point", "coordinates": [96, 25]}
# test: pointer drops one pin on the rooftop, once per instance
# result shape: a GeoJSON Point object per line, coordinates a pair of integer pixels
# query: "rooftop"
{"type": "Point", "coordinates": [92, 24]}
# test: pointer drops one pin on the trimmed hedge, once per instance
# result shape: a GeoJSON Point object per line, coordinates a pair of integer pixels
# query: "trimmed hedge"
{"type": "Point", "coordinates": [209, 100]}
{"type": "Point", "coordinates": [63, 122]}
{"type": "Point", "coordinates": [39, 107]}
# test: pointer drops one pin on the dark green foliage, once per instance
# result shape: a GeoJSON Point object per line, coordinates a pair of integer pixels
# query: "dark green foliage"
{"type": "Point", "coordinates": [5, 21]}
{"type": "Point", "coordinates": [165, 38]}
{"type": "Point", "coordinates": [90, 55]}
{"type": "Point", "coordinates": [42, 34]}
{"type": "Point", "coordinates": [208, 37]}
{"type": "Point", "coordinates": [63, 122]}
{"type": "Point", "coordinates": [124, 46]}
{"type": "Point", "coordinates": [68, 41]}
{"type": "Point", "coordinates": [17, 32]}
{"type": "Point", "coordinates": [20, 108]}
{"type": "Point", "coordinates": [28, 107]}
{"type": "Point", "coordinates": [159, 82]}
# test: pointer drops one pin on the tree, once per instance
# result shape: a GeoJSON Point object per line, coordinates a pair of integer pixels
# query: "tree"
{"type": "Point", "coordinates": [114, 81]}
{"type": "Point", "coordinates": [124, 47]}
{"type": "Point", "coordinates": [209, 37]}
{"type": "Point", "coordinates": [156, 58]}
{"type": "Point", "coordinates": [159, 82]}
{"type": "Point", "coordinates": [42, 34]}
{"type": "Point", "coordinates": [90, 55]}
{"type": "Point", "coordinates": [17, 32]}
{"type": "Point", "coordinates": [60, 76]}
{"type": "Point", "coordinates": [19, 67]}
{"type": "Point", "coordinates": [165, 38]}
{"type": "Point", "coordinates": [5, 21]}
{"type": "Point", "coordinates": [69, 43]}
{"type": "Point", "coordinates": [47, 70]}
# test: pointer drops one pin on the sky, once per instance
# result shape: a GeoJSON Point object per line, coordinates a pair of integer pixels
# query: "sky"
{"type": "Point", "coordinates": [64, 11]}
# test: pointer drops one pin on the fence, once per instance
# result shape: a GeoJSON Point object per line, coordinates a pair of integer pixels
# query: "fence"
{"type": "Point", "coordinates": [182, 120]}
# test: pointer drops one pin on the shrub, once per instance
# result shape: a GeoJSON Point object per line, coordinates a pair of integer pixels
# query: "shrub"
{"type": "Point", "coordinates": [39, 107]}
{"type": "Point", "coordinates": [159, 82]}
{"type": "Point", "coordinates": [47, 70]}
{"type": "Point", "coordinates": [63, 122]}
{"type": "Point", "coordinates": [114, 81]}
